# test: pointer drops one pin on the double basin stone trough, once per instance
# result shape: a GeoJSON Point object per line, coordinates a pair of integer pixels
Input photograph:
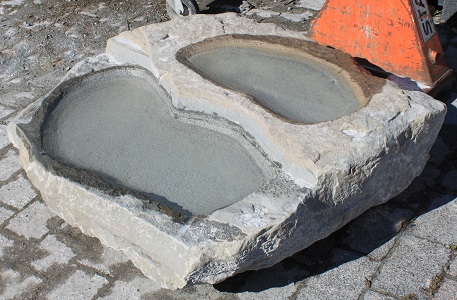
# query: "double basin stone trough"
{"type": "Point", "coordinates": [211, 145]}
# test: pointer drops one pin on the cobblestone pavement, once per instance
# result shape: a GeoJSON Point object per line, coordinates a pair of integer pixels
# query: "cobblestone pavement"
{"type": "Point", "coordinates": [404, 249]}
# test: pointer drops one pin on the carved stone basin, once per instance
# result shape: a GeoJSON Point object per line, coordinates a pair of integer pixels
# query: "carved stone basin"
{"type": "Point", "coordinates": [292, 82]}
{"type": "Point", "coordinates": [211, 145]}
{"type": "Point", "coordinates": [119, 124]}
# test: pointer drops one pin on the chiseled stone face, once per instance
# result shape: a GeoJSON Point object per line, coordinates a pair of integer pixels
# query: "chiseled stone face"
{"type": "Point", "coordinates": [196, 179]}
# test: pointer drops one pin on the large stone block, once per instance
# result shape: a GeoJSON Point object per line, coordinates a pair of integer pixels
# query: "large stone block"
{"type": "Point", "coordinates": [314, 177]}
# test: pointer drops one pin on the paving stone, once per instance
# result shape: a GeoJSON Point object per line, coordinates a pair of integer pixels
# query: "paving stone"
{"type": "Point", "coordinates": [4, 112]}
{"type": "Point", "coordinates": [5, 214]}
{"type": "Point", "coordinates": [346, 281]}
{"type": "Point", "coordinates": [3, 137]}
{"type": "Point", "coordinates": [453, 267]}
{"type": "Point", "coordinates": [270, 294]}
{"type": "Point", "coordinates": [9, 165]}
{"type": "Point", "coordinates": [14, 284]}
{"type": "Point", "coordinates": [382, 251]}
{"type": "Point", "coordinates": [59, 253]}
{"type": "Point", "coordinates": [133, 289]}
{"type": "Point", "coordinates": [109, 258]}
{"type": "Point", "coordinates": [439, 224]}
{"type": "Point", "coordinates": [450, 181]}
{"type": "Point", "coordinates": [296, 17]}
{"type": "Point", "coordinates": [311, 4]}
{"type": "Point", "coordinates": [18, 99]}
{"type": "Point", "coordinates": [375, 228]}
{"type": "Point", "coordinates": [266, 282]}
{"type": "Point", "coordinates": [79, 285]}
{"type": "Point", "coordinates": [17, 193]}
{"type": "Point", "coordinates": [197, 292]}
{"type": "Point", "coordinates": [31, 222]}
{"type": "Point", "coordinates": [371, 295]}
{"type": "Point", "coordinates": [262, 13]}
{"type": "Point", "coordinates": [4, 243]}
{"type": "Point", "coordinates": [447, 291]}
{"type": "Point", "coordinates": [412, 266]}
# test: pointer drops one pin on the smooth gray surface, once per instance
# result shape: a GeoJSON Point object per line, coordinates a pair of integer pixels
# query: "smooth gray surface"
{"type": "Point", "coordinates": [297, 90]}
{"type": "Point", "coordinates": [118, 125]}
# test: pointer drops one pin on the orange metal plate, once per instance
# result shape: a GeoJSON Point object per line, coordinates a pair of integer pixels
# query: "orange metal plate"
{"type": "Point", "coordinates": [385, 33]}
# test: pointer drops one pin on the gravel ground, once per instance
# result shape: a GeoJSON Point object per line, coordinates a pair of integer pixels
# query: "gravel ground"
{"type": "Point", "coordinates": [404, 249]}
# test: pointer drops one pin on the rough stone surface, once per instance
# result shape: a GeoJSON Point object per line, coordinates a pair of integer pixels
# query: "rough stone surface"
{"type": "Point", "coordinates": [203, 292]}
{"type": "Point", "coordinates": [346, 282]}
{"type": "Point", "coordinates": [306, 201]}
{"type": "Point", "coordinates": [296, 17]}
{"type": "Point", "coordinates": [412, 267]}
{"type": "Point", "coordinates": [444, 217]}
{"type": "Point", "coordinates": [447, 291]}
{"type": "Point", "coordinates": [108, 259]}
{"type": "Point", "coordinates": [59, 253]}
{"type": "Point", "coordinates": [31, 222]}
{"type": "Point", "coordinates": [13, 284]}
{"type": "Point", "coordinates": [5, 214]}
{"type": "Point", "coordinates": [4, 112]}
{"type": "Point", "coordinates": [53, 35]}
{"type": "Point", "coordinates": [311, 4]}
{"type": "Point", "coordinates": [370, 295]}
{"type": "Point", "coordinates": [382, 251]}
{"type": "Point", "coordinates": [132, 289]}
{"type": "Point", "coordinates": [269, 294]}
{"type": "Point", "coordinates": [4, 243]}
{"type": "Point", "coordinates": [80, 285]}
{"type": "Point", "coordinates": [17, 193]}
{"type": "Point", "coordinates": [10, 165]}
{"type": "Point", "coordinates": [3, 137]}
{"type": "Point", "coordinates": [453, 267]}
{"type": "Point", "coordinates": [263, 13]}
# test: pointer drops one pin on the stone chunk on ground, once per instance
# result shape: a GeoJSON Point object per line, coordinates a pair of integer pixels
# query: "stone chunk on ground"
{"type": "Point", "coordinates": [322, 175]}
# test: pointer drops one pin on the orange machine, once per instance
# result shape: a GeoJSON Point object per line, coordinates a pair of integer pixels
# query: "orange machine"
{"type": "Point", "coordinates": [397, 36]}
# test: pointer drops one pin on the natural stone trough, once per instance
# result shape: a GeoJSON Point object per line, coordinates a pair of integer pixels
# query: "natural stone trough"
{"type": "Point", "coordinates": [272, 71]}
{"type": "Point", "coordinates": [117, 123]}
{"type": "Point", "coordinates": [211, 145]}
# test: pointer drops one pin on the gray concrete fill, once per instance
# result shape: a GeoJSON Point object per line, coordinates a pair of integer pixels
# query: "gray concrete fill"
{"type": "Point", "coordinates": [296, 89]}
{"type": "Point", "coordinates": [117, 123]}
